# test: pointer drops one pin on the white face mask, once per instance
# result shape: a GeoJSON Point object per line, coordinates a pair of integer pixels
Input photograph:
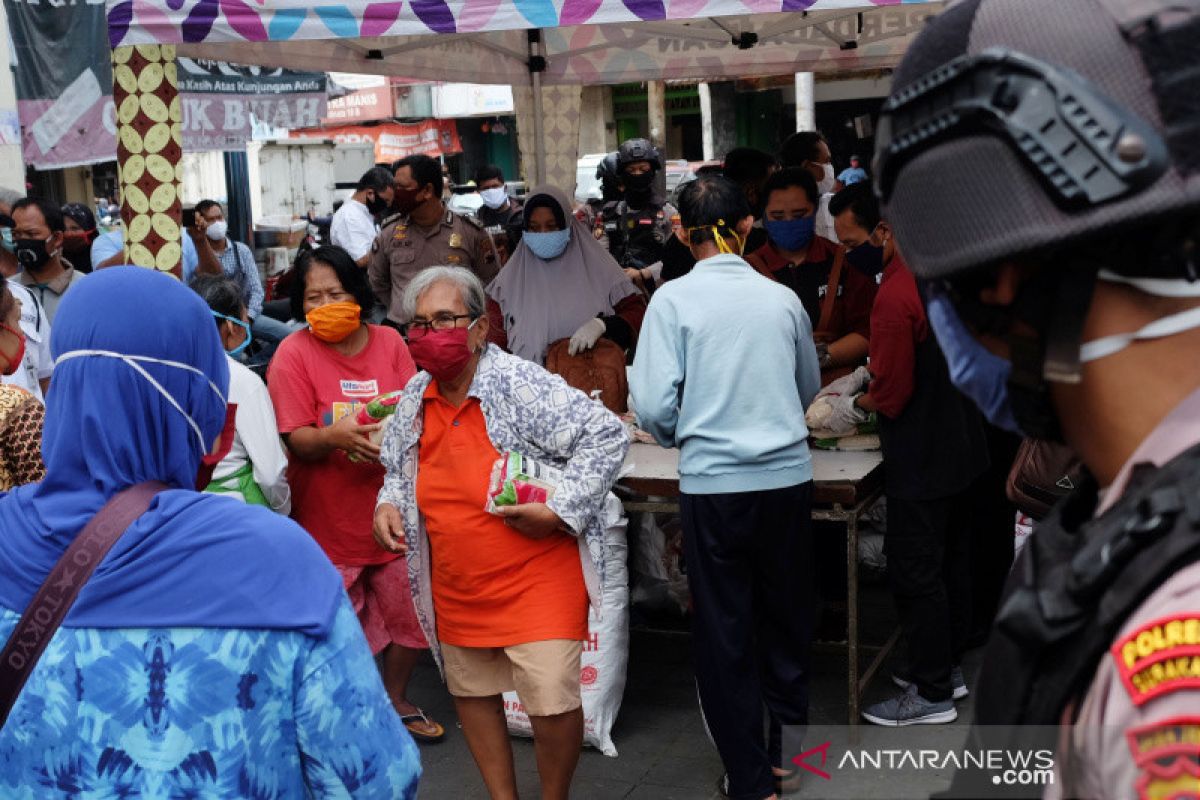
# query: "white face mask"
{"type": "Point", "coordinates": [1159, 328]}
{"type": "Point", "coordinates": [825, 185]}
{"type": "Point", "coordinates": [132, 361]}
{"type": "Point", "coordinates": [495, 197]}
{"type": "Point", "coordinates": [217, 230]}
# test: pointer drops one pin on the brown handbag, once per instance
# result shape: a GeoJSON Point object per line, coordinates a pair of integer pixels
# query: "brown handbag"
{"type": "Point", "coordinates": [1042, 473]}
{"type": "Point", "coordinates": [601, 369]}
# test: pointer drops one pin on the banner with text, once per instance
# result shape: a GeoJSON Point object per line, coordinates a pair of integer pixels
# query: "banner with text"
{"type": "Point", "coordinates": [64, 90]}
{"type": "Point", "coordinates": [219, 98]}
{"type": "Point", "coordinates": [395, 140]}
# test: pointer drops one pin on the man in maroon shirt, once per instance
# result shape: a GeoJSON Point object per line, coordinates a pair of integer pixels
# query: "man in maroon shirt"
{"type": "Point", "coordinates": [933, 449]}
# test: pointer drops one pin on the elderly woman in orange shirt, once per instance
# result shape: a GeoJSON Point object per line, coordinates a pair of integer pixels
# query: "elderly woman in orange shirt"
{"type": "Point", "coordinates": [503, 600]}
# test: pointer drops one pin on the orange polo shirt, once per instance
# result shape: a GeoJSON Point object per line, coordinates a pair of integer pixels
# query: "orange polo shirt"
{"type": "Point", "coordinates": [492, 586]}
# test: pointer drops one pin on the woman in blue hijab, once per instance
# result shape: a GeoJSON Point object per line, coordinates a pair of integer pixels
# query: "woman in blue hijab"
{"type": "Point", "coordinates": [213, 652]}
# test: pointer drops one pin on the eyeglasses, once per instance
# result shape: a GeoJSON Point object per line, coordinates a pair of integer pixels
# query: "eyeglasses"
{"type": "Point", "coordinates": [442, 322]}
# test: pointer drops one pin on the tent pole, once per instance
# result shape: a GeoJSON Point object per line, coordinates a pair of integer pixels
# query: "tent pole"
{"type": "Point", "coordinates": [806, 114]}
{"type": "Point", "coordinates": [149, 149]}
{"type": "Point", "coordinates": [537, 63]}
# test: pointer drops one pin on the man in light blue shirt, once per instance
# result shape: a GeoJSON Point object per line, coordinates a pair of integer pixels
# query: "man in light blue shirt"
{"type": "Point", "coordinates": [854, 173]}
{"type": "Point", "coordinates": [108, 245]}
{"type": "Point", "coordinates": [725, 368]}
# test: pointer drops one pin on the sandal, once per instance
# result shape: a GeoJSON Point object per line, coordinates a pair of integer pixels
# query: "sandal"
{"type": "Point", "coordinates": [417, 733]}
{"type": "Point", "coordinates": [788, 781]}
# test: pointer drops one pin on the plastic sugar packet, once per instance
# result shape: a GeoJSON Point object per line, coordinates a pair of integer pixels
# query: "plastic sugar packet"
{"type": "Point", "coordinates": [517, 479]}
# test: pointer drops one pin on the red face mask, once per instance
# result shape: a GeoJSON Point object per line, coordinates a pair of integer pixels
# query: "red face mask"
{"type": "Point", "coordinates": [77, 240]}
{"type": "Point", "coordinates": [15, 361]}
{"type": "Point", "coordinates": [443, 354]}
{"type": "Point", "coordinates": [208, 464]}
{"type": "Point", "coordinates": [405, 200]}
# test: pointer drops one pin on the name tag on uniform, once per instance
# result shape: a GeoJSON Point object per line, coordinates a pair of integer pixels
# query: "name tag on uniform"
{"type": "Point", "coordinates": [610, 226]}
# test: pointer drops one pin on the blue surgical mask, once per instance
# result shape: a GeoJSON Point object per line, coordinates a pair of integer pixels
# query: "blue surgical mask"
{"type": "Point", "coordinates": [547, 246]}
{"type": "Point", "coordinates": [6, 240]}
{"type": "Point", "coordinates": [979, 374]}
{"type": "Point", "coordinates": [791, 234]}
{"type": "Point", "coordinates": [237, 351]}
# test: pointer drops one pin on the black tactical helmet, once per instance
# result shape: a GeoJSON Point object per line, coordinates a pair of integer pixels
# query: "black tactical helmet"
{"type": "Point", "coordinates": [635, 150]}
{"type": "Point", "coordinates": [607, 169]}
{"type": "Point", "coordinates": [1016, 127]}
{"type": "Point", "coordinates": [607, 172]}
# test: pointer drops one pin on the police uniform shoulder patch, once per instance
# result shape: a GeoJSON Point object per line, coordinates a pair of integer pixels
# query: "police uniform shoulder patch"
{"type": "Point", "coordinates": [1167, 753]}
{"type": "Point", "coordinates": [1160, 657]}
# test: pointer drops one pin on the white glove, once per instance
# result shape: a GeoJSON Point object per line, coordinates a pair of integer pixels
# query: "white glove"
{"type": "Point", "coordinates": [853, 383]}
{"type": "Point", "coordinates": [845, 415]}
{"type": "Point", "coordinates": [586, 337]}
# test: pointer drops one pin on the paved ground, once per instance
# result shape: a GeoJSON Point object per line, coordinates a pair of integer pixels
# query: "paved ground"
{"type": "Point", "coordinates": [664, 751]}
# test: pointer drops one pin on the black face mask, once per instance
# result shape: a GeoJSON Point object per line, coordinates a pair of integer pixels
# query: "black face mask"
{"type": "Point", "coordinates": [377, 205]}
{"type": "Point", "coordinates": [639, 184]}
{"type": "Point", "coordinates": [31, 253]}
{"type": "Point", "coordinates": [866, 258]}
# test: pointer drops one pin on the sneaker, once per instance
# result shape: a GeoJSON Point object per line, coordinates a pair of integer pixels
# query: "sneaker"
{"type": "Point", "coordinates": [956, 680]}
{"type": "Point", "coordinates": [909, 708]}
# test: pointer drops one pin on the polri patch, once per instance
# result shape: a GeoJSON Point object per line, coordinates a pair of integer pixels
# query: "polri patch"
{"type": "Point", "coordinates": [1160, 657]}
{"type": "Point", "coordinates": [1168, 755]}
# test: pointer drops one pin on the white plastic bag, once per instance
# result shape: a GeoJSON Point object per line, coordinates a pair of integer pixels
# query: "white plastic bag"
{"type": "Point", "coordinates": [606, 651]}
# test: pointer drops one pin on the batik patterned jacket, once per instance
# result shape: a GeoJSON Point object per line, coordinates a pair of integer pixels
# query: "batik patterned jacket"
{"type": "Point", "coordinates": [205, 713]}
{"type": "Point", "coordinates": [535, 413]}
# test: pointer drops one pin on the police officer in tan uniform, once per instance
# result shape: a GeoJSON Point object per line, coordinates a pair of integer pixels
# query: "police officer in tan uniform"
{"type": "Point", "coordinates": [1040, 167]}
{"type": "Point", "coordinates": [423, 233]}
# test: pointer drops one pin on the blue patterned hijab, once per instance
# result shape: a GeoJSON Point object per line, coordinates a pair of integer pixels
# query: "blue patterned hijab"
{"type": "Point", "coordinates": [193, 559]}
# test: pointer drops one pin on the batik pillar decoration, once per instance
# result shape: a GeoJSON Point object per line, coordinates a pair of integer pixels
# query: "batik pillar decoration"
{"type": "Point", "coordinates": [149, 150]}
{"type": "Point", "coordinates": [560, 123]}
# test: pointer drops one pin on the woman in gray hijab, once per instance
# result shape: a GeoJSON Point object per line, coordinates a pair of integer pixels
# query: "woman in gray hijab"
{"type": "Point", "coordinates": [561, 283]}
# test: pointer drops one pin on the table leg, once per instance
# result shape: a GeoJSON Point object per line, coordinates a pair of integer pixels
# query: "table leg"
{"type": "Point", "coordinates": [852, 613]}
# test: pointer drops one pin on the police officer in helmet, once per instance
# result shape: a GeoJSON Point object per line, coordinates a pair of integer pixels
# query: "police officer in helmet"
{"type": "Point", "coordinates": [1040, 166]}
{"type": "Point", "coordinates": [639, 227]}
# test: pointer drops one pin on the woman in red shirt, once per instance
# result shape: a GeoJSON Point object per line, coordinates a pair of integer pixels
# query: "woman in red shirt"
{"type": "Point", "coordinates": [319, 379]}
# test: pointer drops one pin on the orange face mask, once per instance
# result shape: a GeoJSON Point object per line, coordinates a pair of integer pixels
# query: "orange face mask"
{"type": "Point", "coordinates": [335, 321]}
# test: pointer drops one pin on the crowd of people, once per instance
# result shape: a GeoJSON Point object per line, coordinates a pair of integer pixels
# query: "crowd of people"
{"type": "Point", "coordinates": [468, 311]}
{"type": "Point", "coordinates": [225, 643]}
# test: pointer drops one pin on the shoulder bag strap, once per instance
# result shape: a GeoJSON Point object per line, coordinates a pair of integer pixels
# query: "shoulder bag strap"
{"type": "Point", "coordinates": [831, 292]}
{"type": "Point", "coordinates": [57, 594]}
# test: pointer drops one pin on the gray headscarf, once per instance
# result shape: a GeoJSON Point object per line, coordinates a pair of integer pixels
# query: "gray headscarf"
{"type": "Point", "coordinates": [544, 301]}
